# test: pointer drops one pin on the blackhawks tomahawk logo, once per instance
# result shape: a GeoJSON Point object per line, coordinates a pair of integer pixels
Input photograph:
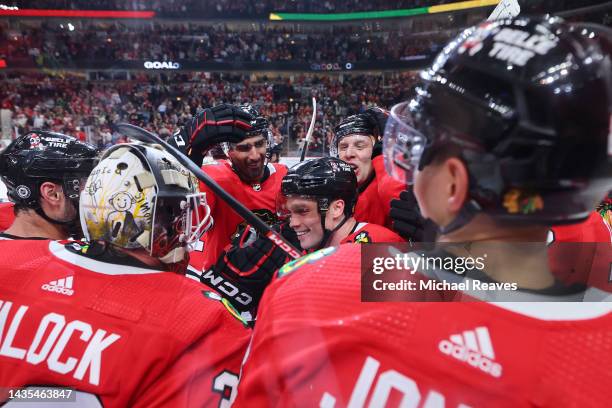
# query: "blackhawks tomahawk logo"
{"type": "Point", "coordinates": [363, 238]}
{"type": "Point", "coordinates": [231, 309]}
{"type": "Point", "coordinates": [523, 202]}
{"type": "Point", "coordinates": [605, 210]}
{"type": "Point", "coordinates": [306, 259]}
{"type": "Point", "coordinates": [264, 214]}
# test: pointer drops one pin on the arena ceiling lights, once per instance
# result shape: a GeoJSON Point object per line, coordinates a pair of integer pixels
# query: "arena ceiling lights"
{"type": "Point", "coordinates": [367, 15]}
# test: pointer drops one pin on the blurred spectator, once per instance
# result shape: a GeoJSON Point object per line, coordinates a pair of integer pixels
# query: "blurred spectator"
{"type": "Point", "coordinates": [88, 108]}
{"type": "Point", "coordinates": [54, 44]}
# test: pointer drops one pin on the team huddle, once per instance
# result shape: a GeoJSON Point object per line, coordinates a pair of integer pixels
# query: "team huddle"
{"type": "Point", "coordinates": [126, 279]}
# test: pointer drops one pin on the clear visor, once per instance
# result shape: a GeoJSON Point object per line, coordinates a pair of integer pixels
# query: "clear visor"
{"type": "Point", "coordinates": [333, 146]}
{"type": "Point", "coordinates": [282, 212]}
{"type": "Point", "coordinates": [403, 145]}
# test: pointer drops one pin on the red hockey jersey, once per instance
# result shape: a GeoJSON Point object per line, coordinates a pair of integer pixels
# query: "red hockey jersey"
{"type": "Point", "coordinates": [7, 215]}
{"type": "Point", "coordinates": [259, 198]}
{"type": "Point", "coordinates": [366, 233]}
{"type": "Point", "coordinates": [374, 202]}
{"type": "Point", "coordinates": [594, 229]}
{"type": "Point", "coordinates": [317, 344]}
{"type": "Point", "coordinates": [129, 335]}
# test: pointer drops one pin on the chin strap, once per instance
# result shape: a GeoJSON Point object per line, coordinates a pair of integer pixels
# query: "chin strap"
{"type": "Point", "coordinates": [468, 211]}
{"type": "Point", "coordinates": [73, 227]}
{"type": "Point", "coordinates": [367, 182]}
{"type": "Point", "coordinates": [40, 212]}
{"type": "Point", "coordinates": [327, 234]}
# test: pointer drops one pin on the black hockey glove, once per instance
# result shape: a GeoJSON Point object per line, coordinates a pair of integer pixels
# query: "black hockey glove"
{"type": "Point", "coordinates": [221, 123]}
{"type": "Point", "coordinates": [407, 219]}
{"type": "Point", "coordinates": [378, 117]}
{"type": "Point", "coordinates": [245, 269]}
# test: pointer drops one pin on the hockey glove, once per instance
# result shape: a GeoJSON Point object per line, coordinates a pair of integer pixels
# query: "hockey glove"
{"type": "Point", "coordinates": [407, 219]}
{"type": "Point", "coordinates": [221, 123]}
{"type": "Point", "coordinates": [378, 117]}
{"type": "Point", "coordinates": [245, 269]}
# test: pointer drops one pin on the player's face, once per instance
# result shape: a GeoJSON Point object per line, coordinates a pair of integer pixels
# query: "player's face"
{"type": "Point", "coordinates": [248, 158]}
{"type": "Point", "coordinates": [305, 221]}
{"type": "Point", "coordinates": [431, 188]}
{"type": "Point", "coordinates": [356, 150]}
{"type": "Point", "coordinates": [68, 211]}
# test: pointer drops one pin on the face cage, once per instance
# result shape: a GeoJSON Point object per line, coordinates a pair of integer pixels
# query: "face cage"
{"type": "Point", "coordinates": [403, 145]}
{"type": "Point", "coordinates": [197, 219]}
{"type": "Point", "coordinates": [183, 230]}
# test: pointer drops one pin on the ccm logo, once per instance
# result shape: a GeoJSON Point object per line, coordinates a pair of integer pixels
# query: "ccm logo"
{"type": "Point", "coordinates": [283, 245]}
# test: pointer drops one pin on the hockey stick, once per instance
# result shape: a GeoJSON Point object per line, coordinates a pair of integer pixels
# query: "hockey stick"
{"type": "Point", "coordinates": [143, 135]}
{"type": "Point", "coordinates": [505, 9]}
{"type": "Point", "coordinates": [310, 129]}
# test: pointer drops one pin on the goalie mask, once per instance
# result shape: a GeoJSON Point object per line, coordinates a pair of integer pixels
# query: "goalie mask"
{"type": "Point", "coordinates": [139, 196]}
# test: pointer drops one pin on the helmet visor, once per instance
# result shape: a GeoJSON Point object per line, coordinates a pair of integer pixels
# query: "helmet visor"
{"type": "Point", "coordinates": [282, 212]}
{"type": "Point", "coordinates": [403, 145]}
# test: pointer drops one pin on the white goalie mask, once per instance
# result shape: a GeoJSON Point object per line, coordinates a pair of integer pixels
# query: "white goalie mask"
{"type": "Point", "coordinates": [139, 196]}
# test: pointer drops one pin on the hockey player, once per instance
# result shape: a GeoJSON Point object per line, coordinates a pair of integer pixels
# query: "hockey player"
{"type": "Point", "coordinates": [246, 175]}
{"type": "Point", "coordinates": [44, 172]}
{"type": "Point", "coordinates": [318, 198]}
{"type": "Point", "coordinates": [108, 318]}
{"type": "Point", "coordinates": [507, 135]}
{"type": "Point", "coordinates": [357, 141]}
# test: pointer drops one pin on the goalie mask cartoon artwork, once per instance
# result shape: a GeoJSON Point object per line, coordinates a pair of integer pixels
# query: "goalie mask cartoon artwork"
{"type": "Point", "coordinates": [139, 196]}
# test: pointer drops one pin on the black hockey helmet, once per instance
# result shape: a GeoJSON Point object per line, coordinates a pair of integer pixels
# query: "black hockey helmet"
{"type": "Point", "coordinates": [526, 104]}
{"type": "Point", "coordinates": [260, 126]}
{"type": "Point", "coordinates": [259, 122]}
{"type": "Point", "coordinates": [41, 156]}
{"type": "Point", "coordinates": [359, 124]}
{"type": "Point", "coordinates": [325, 179]}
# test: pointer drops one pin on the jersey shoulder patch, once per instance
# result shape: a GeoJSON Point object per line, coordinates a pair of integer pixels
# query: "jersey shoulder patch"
{"type": "Point", "coordinates": [245, 320]}
{"type": "Point", "coordinates": [306, 259]}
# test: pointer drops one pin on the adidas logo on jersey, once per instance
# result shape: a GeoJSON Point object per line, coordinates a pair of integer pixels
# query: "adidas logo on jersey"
{"type": "Point", "coordinates": [474, 348]}
{"type": "Point", "coordinates": [61, 286]}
